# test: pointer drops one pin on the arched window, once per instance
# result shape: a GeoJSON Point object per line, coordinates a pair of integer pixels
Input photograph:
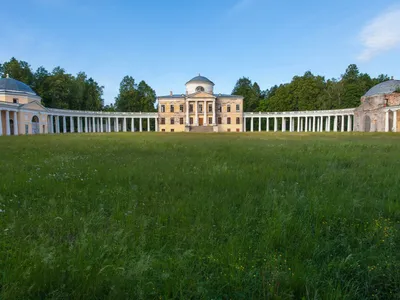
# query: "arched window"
{"type": "Point", "coordinates": [35, 125]}
{"type": "Point", "coordinates": [200, 89]}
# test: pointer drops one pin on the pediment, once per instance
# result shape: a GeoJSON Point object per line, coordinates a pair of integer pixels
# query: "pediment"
{"type": "Point", "coordinates": [201, 95]}
{"type": "Point", "coordinates": [34, 105]}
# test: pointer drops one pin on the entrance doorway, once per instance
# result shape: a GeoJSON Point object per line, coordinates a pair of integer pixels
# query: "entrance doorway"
{"type": "Point", "coordinates": [35, 125]}
{"type": "Point", "coordinates": [200, 121]}
{"type": "Point", "coordinates": [367, 124]}
{"type": "Point", "coordinates": [11, 127]}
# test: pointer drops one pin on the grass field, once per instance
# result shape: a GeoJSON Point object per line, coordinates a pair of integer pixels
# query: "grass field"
{"type": "Point", "coordinates": [192, 216]}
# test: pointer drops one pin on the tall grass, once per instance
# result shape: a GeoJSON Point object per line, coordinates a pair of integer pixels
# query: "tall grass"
{"type": "Point", "coordinates": [181, 216]}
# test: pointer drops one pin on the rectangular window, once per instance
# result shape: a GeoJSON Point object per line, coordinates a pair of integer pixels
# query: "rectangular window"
{"type": "Point", "coordinates": [228, 108]}
{"type": "Point", "coordinates": [210, 107]}
{"type": "Point", "coordinates": [200, 107]}
{"type": "Point", "coordinates": [191, 121]}
{"type": "Point", "coordinates": [172, 130]}
{"type": "Point", "coordinates": [181, 121]}
{"type": "Point", "coordinates": [26, 129]}
{"type": "Point", "coordinates": [237, 130]}
{"type": "Point", "coordinates": [237, 107]}
{"type": "Point", "coordinates": [163, 130]}
{"type": "Point", "coordinates": [162, 108]}
{"type": "Point", "coordinates": [191, 108]}
{"type": "Point", "coordinates": [229, 130]}
{"type": "Point", "coordinates": [171, 109]}
{"type": "Point", "coordinates": [219, 108]}
{"type": "Point", "coordinates": [219, 120]}
{"type": "Point", "coordinates": [15, 100]}
{"type": "Point", "coordinates": [172, 121]}
{"type": "Point", "coordinates": [228, 120]}
{"type": "Point", "coordinates": [162, 121]}
{"type": "Point", "coordinates": [44, 128]}
{"type": "Point", "coordinates": [237, 120]}
{"type": "Point", "coordinates": [210, 121]}
{"type": "Point", "coordinates": [181, 108]}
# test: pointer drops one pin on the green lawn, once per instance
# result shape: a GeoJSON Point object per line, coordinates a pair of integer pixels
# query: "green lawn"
{"type": "Point", "coordinates": [193, 216]}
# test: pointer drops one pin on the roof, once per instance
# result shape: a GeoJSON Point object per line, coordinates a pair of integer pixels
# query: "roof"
{"type": "Point", "coordinates": [386, 87]}
{"type": "Point", "coordinates": [173, 96]}
{"type": "Point", "coordinates": [184, 96]}
{"type": "Point", "coordinates": [200, 79]}
{"type": "Point", "coordinates": [12, 85]}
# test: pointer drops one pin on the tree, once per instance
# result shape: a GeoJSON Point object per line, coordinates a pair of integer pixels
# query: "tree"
{"type": "Point", "coordinates": [251, 93]}
{"type": "Point", "coordinates": [19, 70]}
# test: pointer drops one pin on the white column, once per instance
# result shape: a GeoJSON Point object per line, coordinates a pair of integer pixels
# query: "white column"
{"type": "Point", "coordinates": [140, 124]}
{"type": "Point", "coordinates": [322, 124]}
{"type": "Point", "coordinates": [8, 132]}
{"type": "Point", "coordinates": [116, 125]}
{"type": "Point", "coordinates": [58, 124]}
{"type": "Point", "coordinates": [205, 113]}
{"type": "Point", "coordinates": [187, 113]}
{"type": "Point", "coordinates": [196, 120]}
{"type": "Point", "coordinates": [328, 124]}
{"type": "Point", "coordinates": [15, 123]}
{"type": "Point", "coordinates": [298, 124]}
{"type": "Point", "coordinates": [71, 124]}
{"type": "Point", "coordinates": [1, 123]}
{"type": "Point", "coordinates": [86, 124]}
{"type": "Point", "coordinates": [94, 124]}
{"type": "Point", "coordinates": [101, 124]}
{"type": "Point", "coordinates": [259, 124]}
{"type": "Point", "coordinates": [306, 124]}
{"type": "Point", "coordinates": [387, 122]}
{"type": "Point", "coordinates": [267, 129]}
{"type": "Point", "coordinates": [317, 124]}
{"type": "Point", "coordinates": [335, 124]}
{"type": "Point", "coordinates": [244, 124]}
{"type": "Point", "coordinates": [148, 124]}
{"type": "Point", "coordinates": [313, 124]}
{"type": "Point", "coordinates": [214, 113]}
{"type": "Point", "coordinates": [395, 121]}
{"type": "Point", "coordinates": [348, 123]}
{"type": "Point", "coordinates": [156, 123]}
{"type": "Point", "coordinates": [124, 124]}
{"type": "Point", "coordinates": [251, 124]}
{"type": "Point", "coordinates": [275, 124]}
{"type": "Point", "coordinates": [301, 124]}
{"type": "Point", "coordinates": [64, 124]}
{"type": "Point", "coordinates": [79, 124]}
{"type": "Point", "coordinates": [98, 124]}
{"type": "Point", "coordinates": [290, 124]}
{"type": "Point", "coordinates": [283, 124]}
{"type": "Point", "coordinates": [132, 125]}
{"type": "Point", "coordinates": [50, 127]}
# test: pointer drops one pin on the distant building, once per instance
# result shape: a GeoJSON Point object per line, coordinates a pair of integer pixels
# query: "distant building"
{"type": "Point", "coordinates": [200, 110]}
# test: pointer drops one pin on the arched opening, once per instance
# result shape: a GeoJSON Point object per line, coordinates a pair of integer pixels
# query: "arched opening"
{"type": "Point", "coordinates": [367, 124]}
{"type": "Point", "coordinates": [11, 127]}
{"type": "Point", "coordinates": [35, 125]}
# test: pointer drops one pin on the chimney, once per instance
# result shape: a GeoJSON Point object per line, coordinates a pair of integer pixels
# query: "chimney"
{"type": "Point", "coordinates": [170, 93]}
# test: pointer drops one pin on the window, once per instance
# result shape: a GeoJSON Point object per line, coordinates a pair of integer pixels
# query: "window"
{"type": "Point", "coordinates": [162, 121]}
{"type": "Point", "coordinates": [171, 109]}
{"type": "Point", "coordinates": [172, 121]}
{"type": "Point", "coordinates": [181, 108]}
{"type": "Point", "coordinates": [15, 100]}
{"type": "Point", "coordinates": [172, 130]}
{"type": "Point", "coordinates": [199, 89]}
{"type": "Point", "coordinates": [191, 120]}
{"type": "Point", "coordinates": [219, 108]}
{"type": "Point", "coordinates": [191, 108]}
{"type": "Point", "coordinates": [237, 107]}
{"type": "Point", "coordinates": [228, 120]}
{"type": "Point", "coordinates": [162, 108]}
{"type": "Point", "coordinates": [237, 120]}
{"type": "Point", "coordinates": [229, 130]}
{"type": "Point", "coordinates": [26, 129]}
{"type": "Point", "coordinates": [219, 120]}
{"type": "Point", "coordinates": [209, 120]}
{"type": "Point", "coordinates": [44, 128]}
{"type": "Point", "coordinates": [228, 108]}
{"type": "Point", "coordinates": [163, 130]}
{"type": "Point", "coordinates": [237, 130]}
{"type": "Point", "coordinates": [200, 107]}
{"type": "Point", "coordinates": [210, 107]}
{"type": "Point", "coordinates": [181, 121]}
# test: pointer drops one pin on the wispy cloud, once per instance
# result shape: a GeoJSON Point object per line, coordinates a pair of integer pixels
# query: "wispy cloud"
{"type": "Point", "coordinates": [240, 5]}
{"type": "Point", "coordinates": [381, 34]}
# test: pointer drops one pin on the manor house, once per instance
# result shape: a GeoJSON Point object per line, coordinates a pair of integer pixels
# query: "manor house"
{"type": "Point", "coordinates": [199, 109]}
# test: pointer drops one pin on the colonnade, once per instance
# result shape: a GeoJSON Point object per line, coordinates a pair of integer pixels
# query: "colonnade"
{"type": "Point", "coordinates": [10, 128]}
{"type": "Point", "coordinates": [63, 123]}
{"type": "Point", "coordinates": [337, 122]}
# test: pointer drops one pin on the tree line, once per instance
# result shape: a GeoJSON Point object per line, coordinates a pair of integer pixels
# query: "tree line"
{"type": "Point", "coordinates": [59, 89]}
{"type": "Point", "coordinates": [308, 92]}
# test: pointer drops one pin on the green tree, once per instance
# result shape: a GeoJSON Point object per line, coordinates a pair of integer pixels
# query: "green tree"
{"type": "Point", "coordinates": [251, 93]}
{"type": "Point", "coordinates": [17, 69]}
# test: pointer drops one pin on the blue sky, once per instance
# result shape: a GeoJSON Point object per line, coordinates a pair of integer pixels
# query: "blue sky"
{"type": "Point", "coordinates": [166, 43]}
